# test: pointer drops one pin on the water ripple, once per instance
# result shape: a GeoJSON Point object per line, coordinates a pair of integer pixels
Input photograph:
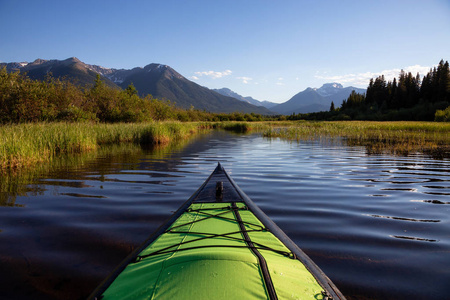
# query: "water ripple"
{"type": "Point", "coordinates": [83, 195]}
{"type": "Point", "coordinates": [413, 238]}
{"type": "Point", "coordinates": [404, 219]}
{"type": "Point", "coordinates": [371, 222]}
{"type": "Point", "coordinates": [432, 201]}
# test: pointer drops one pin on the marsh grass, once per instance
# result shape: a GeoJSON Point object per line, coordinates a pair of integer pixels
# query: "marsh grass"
{"type": "Point", "coordinates": [31, 181]}
{"type": "Point", "coordinates": [394, 137]}
{"type": "Point", "coordinates": [243, 127]}
{"type": "Point", "coordinates": [26, 145]}
{"type": "Point", "coordinates": [27, 181]}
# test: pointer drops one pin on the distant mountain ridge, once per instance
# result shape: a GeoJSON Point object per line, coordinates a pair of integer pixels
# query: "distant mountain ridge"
{"type": "Point", "coordinates": [314, 100]}
{"type": "Point", "coordinates": [72, 68]}
{"type": "Point", "coordinates": [161, 81]}
{"type": "Point", "coordinates": [230, 93]}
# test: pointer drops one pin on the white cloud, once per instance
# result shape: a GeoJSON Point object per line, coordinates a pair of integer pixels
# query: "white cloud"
{"type": "Point", "coordinates": [279, 81]}
{"type": "Point", "coordinates": [245, 79]}
{"type": "Point", "coordinates": [362, 79]}
{"type": "Point", "coordinates": [194, 78]}
{"type": "Point", "coordinates": [212, 74]}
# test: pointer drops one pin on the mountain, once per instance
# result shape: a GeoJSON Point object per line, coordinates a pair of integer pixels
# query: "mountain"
{"type": "Point", "coordinates": [304, 102]}
{"type": "Point", "coordinates": [161, 81]}
{"type": "Point", "coordinates": [268, 104]}
{"type": "Point", "coordinates": [71, 68]}
{"type": "Point", "coordinates": [314, 100]}
{"type": "Point", "coordinates": [230, 93]}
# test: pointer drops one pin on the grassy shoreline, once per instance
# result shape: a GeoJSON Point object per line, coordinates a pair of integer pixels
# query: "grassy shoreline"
{"type": "Point", "coordinates": [26, 145]}
{"type": "Point", "coordinates": [396, 137]}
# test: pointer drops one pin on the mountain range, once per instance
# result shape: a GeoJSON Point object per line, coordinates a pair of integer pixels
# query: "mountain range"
{"type": "Point", "coordinates": [314, 100]}
{"type": "Point", "coordinates": [230, 93]}
{"type": "Point", "coordinates": [163, 82]}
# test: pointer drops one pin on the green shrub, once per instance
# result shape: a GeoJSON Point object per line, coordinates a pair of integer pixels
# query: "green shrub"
{"type": "Point", "coordinates": [442, 115]}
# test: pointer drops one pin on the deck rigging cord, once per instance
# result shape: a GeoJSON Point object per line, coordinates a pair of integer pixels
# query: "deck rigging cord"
{"type": "Point", "coordinates": [206, 235]}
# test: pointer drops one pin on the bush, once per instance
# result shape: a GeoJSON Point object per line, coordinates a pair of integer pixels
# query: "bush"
{"type": "Point", "coordinates": [75, 114]}
{"type": "Point", "coordinates": [442, 115]}
{"type": "Point", "coordinates": [23, 100]}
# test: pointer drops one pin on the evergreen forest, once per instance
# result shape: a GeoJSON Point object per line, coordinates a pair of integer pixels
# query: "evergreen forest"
{"type": "Point", "coordinates": [407, 98]}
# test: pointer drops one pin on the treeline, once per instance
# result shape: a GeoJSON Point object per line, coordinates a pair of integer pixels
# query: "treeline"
{"type": "Point", "coordinates": [24, 100]}
{"type": "Point", "coordinates": [405, 98]}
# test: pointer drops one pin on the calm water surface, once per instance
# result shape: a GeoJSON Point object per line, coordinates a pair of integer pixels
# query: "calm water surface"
{"type": "Point", "coordinates": [377, 225]}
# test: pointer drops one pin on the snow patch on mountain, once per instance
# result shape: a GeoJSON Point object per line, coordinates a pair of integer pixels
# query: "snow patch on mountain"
{"type": "Point", "coordinates": [329, 89]}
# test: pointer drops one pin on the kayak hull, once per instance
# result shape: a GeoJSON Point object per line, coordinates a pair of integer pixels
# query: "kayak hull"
{"type": "Point", "coordinates": [219, 245]}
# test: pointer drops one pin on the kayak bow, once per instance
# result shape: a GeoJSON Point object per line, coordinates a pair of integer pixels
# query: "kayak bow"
{"type": "Point", "coordinates": [218, 245]}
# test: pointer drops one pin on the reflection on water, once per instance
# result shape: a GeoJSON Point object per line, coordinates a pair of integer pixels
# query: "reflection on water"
{"type": "Point", "coordinates": [412, 238]}
{"type": "Point", "coordinates": [433, 146]}
{"type": "Point", "coordinates": [29, 182]}
{"type": "Point", "coordinates": [404, 219]}
{"type": "Point", "coordinates": [432, 201]}
{"type": "Point", "coordinates": [376, 224]}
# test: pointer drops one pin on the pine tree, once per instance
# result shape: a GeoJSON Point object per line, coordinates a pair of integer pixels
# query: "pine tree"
{"type": "Point", "coordinates": [131, 90]}
{"type": "Point", "coordinates": [443, 81]}
{"type": "Point", "coordinates": [369, 93]}
{"type": "Point", "coordinates": [392, 88]}
{"type": "Point", "coordinates": [98, 83]}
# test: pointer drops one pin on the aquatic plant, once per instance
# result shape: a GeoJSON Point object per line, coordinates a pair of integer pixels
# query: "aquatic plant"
{"type": "Point", "coordinates": [395, 137]}
{"type": "Point", "coordinates": [25, 145]}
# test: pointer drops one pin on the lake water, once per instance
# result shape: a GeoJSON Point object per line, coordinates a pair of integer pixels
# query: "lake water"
{"type": "Point", "coordinates": [377, 225]}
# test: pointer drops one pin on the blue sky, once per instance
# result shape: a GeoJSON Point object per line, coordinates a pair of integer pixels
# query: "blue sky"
{"type": "Point", "coordinates": [266, 49]}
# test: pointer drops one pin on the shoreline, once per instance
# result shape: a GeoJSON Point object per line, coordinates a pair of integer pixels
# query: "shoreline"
{"type": "Point", "coordinates": [26, 145]}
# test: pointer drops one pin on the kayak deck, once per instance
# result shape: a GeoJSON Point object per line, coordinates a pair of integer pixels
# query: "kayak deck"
{"type": "Point", "coordinates": [216, 246]}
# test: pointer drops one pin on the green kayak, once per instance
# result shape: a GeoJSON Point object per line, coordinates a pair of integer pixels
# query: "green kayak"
{"type": "Point", "coordinates": [218, 245]}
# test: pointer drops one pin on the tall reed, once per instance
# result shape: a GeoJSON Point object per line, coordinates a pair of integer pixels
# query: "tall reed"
{"type": "Point", "coordinates": [242, 127]}
{"type": "Point", "coordinates": [29, 144]}
{"type": "Point", "coordinates": [396, 137]}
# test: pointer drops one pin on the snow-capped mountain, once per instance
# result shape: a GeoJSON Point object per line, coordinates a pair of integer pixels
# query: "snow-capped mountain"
{"type": "Point", "coordinates": [329, 89]}
{"type": "Point", "coordinates": [316, 99]}
{"type": "Point", "coordinates": [14, 65]}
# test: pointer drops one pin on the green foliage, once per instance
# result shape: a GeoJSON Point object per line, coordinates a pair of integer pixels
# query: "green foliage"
{"type": "Point", "coordinates": [131, 90]}
{"type": "Point", "coordinates": [24, 100]}
{"type": "Point", "coordinates": [442, 115]}
{"type": "Point", "coordinates": [332, 108]}
{"type": "Point", "coordinates": [239, 127]}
